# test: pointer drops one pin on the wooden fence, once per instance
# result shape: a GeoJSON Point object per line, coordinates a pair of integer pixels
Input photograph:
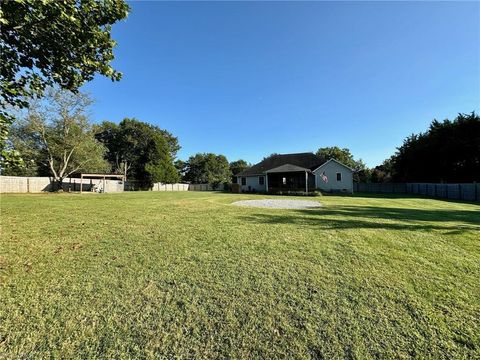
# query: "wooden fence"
{"type": "Point", "coordinates": [466, 191]}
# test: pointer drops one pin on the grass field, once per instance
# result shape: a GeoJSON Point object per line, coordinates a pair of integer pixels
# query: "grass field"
{"type": "Point", "coordinates": [188, 275]}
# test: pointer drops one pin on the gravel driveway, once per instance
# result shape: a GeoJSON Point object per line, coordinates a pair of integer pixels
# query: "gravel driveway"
{"type": "Point", "coordinates": [279, 204]}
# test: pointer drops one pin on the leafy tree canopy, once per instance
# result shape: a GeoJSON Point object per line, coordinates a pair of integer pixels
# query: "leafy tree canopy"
{"type": "Point", "coordinates": [381, 173]}
{"type": "Point", "coordinates": [448, 152]}
{"type": "Point", "coordinates": [181, 167]}
{"type": "Point", "coordinates": [239, 166]}
{"type": "Point", "coordinates": [345, 157]}
{"type": "Point", "coordinates": [43, 43]}
{"type": "Point", "coordinates": [208, 169]}
{"type": "Point", "coordinates": [143, 151]}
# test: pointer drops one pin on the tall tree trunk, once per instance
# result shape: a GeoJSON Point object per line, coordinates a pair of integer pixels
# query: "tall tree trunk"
{"type": "Point", "coordinates": [57, 184]}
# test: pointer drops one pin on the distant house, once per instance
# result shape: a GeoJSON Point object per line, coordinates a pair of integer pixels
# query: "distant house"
{"type": "Point", "coordinates": [296, 172]}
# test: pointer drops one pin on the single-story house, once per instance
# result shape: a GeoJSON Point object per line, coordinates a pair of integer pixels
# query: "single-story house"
{"type": "Point", "coordinates": [296, 172]}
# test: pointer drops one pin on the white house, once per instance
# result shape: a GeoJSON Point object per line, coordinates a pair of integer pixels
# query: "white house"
{"type": "Point", "coordinates": [296, 172]}
{"type": "Point", "coordinates": [339, 177]}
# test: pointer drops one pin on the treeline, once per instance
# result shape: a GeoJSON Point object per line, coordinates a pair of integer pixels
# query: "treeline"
{"type": "Point", "coordinates": [208, 168]}
{"type": "Point", "coordinates": [56, 138]}
{"type": "Point", "coordinates": [448, 151]}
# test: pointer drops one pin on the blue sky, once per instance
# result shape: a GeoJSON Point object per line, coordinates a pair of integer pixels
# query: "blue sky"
{"type": "Point", "coordinates": [246, 79]}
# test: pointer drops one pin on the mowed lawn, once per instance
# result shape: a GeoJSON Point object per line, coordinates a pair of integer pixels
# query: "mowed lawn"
{"type": "Point", "coordinates": [188, 275]}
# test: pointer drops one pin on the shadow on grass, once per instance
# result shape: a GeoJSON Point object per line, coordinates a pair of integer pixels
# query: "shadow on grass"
{"type": "Point", "coordinates": [363, 195]}
{"type": "Point", "coordinates": [401, 196]}
{"type": "Point", "coordinates": [373, 217]}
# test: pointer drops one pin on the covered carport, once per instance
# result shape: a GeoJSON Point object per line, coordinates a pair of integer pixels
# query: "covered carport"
{"type": "Point", "coordinates": [102, 177]}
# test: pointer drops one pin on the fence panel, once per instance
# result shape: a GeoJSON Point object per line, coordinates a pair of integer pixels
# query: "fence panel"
{"type": "Point", "coordinates": [397, 188]}
{"type": "Point", "coordinates": [470, 192]}
{"type": "Point", "coordinates": [36, 184]}
{"type": "Point", "coordinates": [21, 184]}
{"type": "Point", "coordinates": [185, 187]}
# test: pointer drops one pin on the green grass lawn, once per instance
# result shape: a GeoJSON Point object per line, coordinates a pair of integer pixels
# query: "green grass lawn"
{"type": "Point", "coordinates": [187, 274]}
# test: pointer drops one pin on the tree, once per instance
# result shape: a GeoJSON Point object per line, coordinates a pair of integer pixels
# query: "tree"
{"type": "Point", "coordinates": [172, 142]}
{"type": "Point", "coordinates": [181, 167]}
{"type": "Point", "coordinates": [140, 150]}
{"type": "Point", "coordinates": [448, 151]}
{"type": "Point", "coordinates": [345, 157]}
{"type": "Point", "coordinates": [108, 133]}
{"type": "Point", "coordinates": [363, 175]}
{"type": "Point", "coordinates": [43, 43]}
{"type": "Point", "coordinates": [163, 171]}
{"type": "Point", "coordinates": [55, 135]}
{"type": "Point", "coordinates": [208, 169]}
{"type": "Point", "coordinates": [237, 167]}
{"type": "Point", "coordinates": [382, 173]}
{"type": "Point", "coordinates": [22, 143]}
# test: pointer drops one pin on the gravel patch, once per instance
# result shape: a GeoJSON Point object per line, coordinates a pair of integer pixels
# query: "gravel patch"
{"type": "Point", "coordinates": [279, 204]}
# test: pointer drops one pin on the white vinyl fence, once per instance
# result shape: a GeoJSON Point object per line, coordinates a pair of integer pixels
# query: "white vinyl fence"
{"type": "Point", "coordinates": [35, 184]}
{"type": "Point", "coordinates": [185, 187]}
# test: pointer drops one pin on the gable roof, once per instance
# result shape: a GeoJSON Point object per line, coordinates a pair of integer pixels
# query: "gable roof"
{"type": "Point", "coordinates": [287, 168]}
{"type": "Point", "coordinates": [306, 160]}
{"type": "Point", "coordinates": [335, 160]}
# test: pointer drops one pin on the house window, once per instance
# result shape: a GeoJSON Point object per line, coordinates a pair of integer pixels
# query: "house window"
{"type": "Point", "coordinates": [244, 181]}
{"type": "Point", "coordinates": [284, 181]}
{"type": "Point", "coordinates": [261, 180]}
{"type": "Point", "coordinates": [339, 176]}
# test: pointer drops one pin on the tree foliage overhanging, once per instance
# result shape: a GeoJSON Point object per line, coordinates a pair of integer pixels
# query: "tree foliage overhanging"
{"type": "Point", "coordinates": [448, 152]}
{"type": "Point", "coordinates": [43, 43]}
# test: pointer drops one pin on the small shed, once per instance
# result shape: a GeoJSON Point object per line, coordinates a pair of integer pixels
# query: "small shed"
{"type": "Point", "coordinates": [104, 178]}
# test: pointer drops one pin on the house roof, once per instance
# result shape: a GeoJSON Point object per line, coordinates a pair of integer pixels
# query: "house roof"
{"type": "Point", "coordinates": [287, 168]}
{"type": "Point", "coordinates": [307, 160]}
{"type": "Point", "coordinates": [334, 160]}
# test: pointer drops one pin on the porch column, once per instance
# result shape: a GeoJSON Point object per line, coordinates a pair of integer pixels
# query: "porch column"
{"type": "Point", "coordinates": [306, 182]}
{"type": "Point", "coordinates": [266, 182]}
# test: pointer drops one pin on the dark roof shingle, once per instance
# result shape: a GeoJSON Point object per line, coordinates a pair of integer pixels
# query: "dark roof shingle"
{"type": "Point", "coordinates": [305, 160]}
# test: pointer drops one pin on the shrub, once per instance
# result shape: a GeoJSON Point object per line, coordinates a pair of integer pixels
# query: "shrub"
{"type": "Point", "coordinates": [295, 193]}
{"type": "Point", "coordinates": [235, 188]}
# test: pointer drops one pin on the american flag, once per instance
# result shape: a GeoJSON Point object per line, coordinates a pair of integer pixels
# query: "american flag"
{"type": "Point", "coordinates": [324, 177]}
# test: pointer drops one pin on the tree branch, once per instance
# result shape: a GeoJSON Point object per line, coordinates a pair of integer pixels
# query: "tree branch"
{"type": "Point", "coordinates": [66, 160]}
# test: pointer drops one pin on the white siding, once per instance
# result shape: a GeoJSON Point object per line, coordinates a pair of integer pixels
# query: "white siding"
{"type": "Point", "coordinates": [253, 182]}
{"type": "Point", "coordinates": [331, 169]}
